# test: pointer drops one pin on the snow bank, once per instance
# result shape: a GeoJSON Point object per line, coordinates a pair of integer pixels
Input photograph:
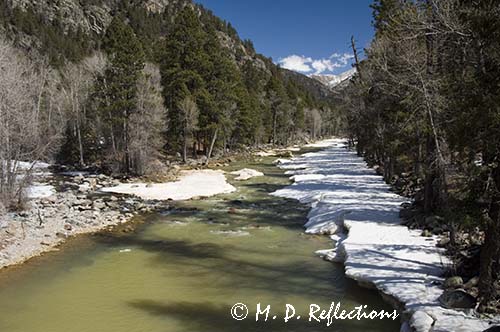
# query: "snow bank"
{"type": "Point", "coordinates": [191, 184]}
{"type": "Point", "coordinates": [25, 165]}
{"type": "Point", "coordinates": [345, 194]}
{"type": "Point", "coordinates": [40, 191]}
{"type": "Point", "coordinates": [36, 165]}
{"type": "Point", "coordinates": [275, 152]}
{"type": "Point", "coordinates": [246, 173]}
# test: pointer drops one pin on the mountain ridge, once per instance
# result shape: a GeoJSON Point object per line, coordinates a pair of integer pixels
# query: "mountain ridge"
{"type": "Point", "coordinates": [43, 26]}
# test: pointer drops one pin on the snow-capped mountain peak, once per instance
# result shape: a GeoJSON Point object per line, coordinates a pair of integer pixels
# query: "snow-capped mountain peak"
{"type": "Point", "coordinates": [332, 81]}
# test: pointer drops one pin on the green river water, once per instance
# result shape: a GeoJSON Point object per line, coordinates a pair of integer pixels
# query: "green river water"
{"type": "Point", "coordinates": [183, 270]}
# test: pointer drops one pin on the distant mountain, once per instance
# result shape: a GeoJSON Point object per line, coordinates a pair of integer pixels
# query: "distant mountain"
{"type": "Point", "coordinates": [316, 89]}
{"type": "Point", "coordinates": [332, 81]}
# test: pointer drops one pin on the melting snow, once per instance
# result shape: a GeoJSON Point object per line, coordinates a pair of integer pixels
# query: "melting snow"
{"type": "Point", "coordinates": [345, 194]}
{"type": "Point", "coordinates": [191, 184]}
{"type": "Point", "coordinates": [40, 191]}
{"type": "Point", "coordinates": [246, 173]}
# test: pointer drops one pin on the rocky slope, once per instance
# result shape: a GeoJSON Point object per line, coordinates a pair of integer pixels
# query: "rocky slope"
{"type": "Point", "coordinates": [73, 29]}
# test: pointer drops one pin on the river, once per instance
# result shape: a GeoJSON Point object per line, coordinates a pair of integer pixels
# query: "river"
{"type": "Point", "coordinates": [183, 269]}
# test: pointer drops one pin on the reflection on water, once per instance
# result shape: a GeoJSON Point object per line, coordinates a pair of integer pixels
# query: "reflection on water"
{"type": "Point", "coordinates": [183, 271]}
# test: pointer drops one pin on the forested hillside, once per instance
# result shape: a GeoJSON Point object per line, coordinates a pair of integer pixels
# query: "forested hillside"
{"type": "Point", "coordinates": [125, 85]}
{"type": "Point", "coordinates": [424, 106]}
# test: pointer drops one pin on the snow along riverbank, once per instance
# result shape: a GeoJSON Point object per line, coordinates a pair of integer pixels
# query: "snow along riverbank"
{"type": "Point", "coordinates": [201, 183]}
{"type": "Point", "coordinates": [53, 216]}
{"type": "Point", "coordinates": [377, 251]}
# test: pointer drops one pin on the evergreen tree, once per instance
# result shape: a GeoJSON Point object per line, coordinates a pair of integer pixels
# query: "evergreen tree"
{"type": "Point", "coordinates": [182, 65]}
{"type": "Point", "coordinates": [278, 105]}
{"type": "Point", "coordinates": [126, 62]}
{"type": "Point", "coordinates": [222, 81]}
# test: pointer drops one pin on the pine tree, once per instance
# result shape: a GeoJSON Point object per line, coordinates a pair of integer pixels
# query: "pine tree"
{"type": "Point", "coordinates": [222, 82]}
{"type": "Point", "coordinates": [278, 105]}
{"type": "Point", "coordinates": [126, 62]}
{"type": "Point", "coordinates": [182, 63]}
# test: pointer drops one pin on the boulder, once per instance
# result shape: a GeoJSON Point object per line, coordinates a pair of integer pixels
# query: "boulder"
{"type": "Point", "coordinates": [284, 154]}
{"type": "Point", "coordinates": [82, 202]}
{"type": "Point", "coordinates": [473, 282]}
{"type": "Point", "coordinates": [453, 282]}
{"type": "Point", "coordinates": [99, 205]}
{"type": "Point", "coordinates": [457, 299]}
{"type": "Point", "coordinates": [442, 243]}
{"type": "Point", "coordinates": [84, 188]}
{"type": "Point", "coordinates": [426, 233]}
{"type": "Point", "coordinates": [421, 321]}
{"type": "Point", "coordinates": [434, 221]}
{"type": "Point", "coordinates": [79, 178]}
{"type": "Point", "coordinates": [407, 212]}
{"type": "Point", "coordinates": [246, 173]}
{"type": "Point", "coordinates": [112, 205]}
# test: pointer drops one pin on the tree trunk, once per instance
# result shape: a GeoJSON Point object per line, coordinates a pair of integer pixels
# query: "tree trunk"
{"type": "Point", "coordinates": [78, 130]}
{"type": "Point", "coordinates": [490, 251]}
{"type": "Point", "coordinates": [80, 144]}
{"type": "Point", "coordinates": [214, 138]}
{"type": "Point", "coordinates": [275, 119]}
{"type": "Point", "coordinates": [356, 58]}
{"type": "Point", "coordinates": [126, 143]}
{"type": "Point", "coordinates": [430, 176]}
{"type": "Point", "coordinates": [184, 149]}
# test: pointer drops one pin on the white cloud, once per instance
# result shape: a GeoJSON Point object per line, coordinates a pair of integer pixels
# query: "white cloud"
{"type": "Point", "coordinates": [342, 59]}
{"type": "Point", "coordinates": [296, 63]}
{"type": "Point", "coordinates": [305, 64]}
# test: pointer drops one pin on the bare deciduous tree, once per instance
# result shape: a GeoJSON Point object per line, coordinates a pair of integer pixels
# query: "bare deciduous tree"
{"type": "Point", "coordinates": [30, 120]}
{"type": "Point", "coordinates": [147, 122]}
{"type": "Point", "coordinates": [189, 116]}
{"type": "Point", "coordinates": [77, 83]}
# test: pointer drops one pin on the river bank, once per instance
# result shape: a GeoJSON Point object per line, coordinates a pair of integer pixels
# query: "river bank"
{"type": "Point", "coordinates": [80, 204]}
{"type": "Point", "coordinates": [66, 204]}
{"type": "Point", "coordinates": [354, 206]}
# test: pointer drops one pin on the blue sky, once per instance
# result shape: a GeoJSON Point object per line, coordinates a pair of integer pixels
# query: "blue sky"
{"type": "Point", "coordinates": [307, 36]}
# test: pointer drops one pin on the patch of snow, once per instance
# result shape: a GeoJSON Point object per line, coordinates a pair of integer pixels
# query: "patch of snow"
{"type": "Point", "coordinates": [265, 153]}
{"type": "Point", "coordinates": [191, 184]}
{"type": "Point", "coordinates": [344, 193]}
{"type": "Point", "coordinates": [36, 165]}
{"type": "Point", "coordinates": [274, 152]}
{"type": "Point", "coordinates": [246, 173]}
{"type": "Point", "coordinates": [25, 165]}
{"type": "Point", "coordinates": [40, 191]}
